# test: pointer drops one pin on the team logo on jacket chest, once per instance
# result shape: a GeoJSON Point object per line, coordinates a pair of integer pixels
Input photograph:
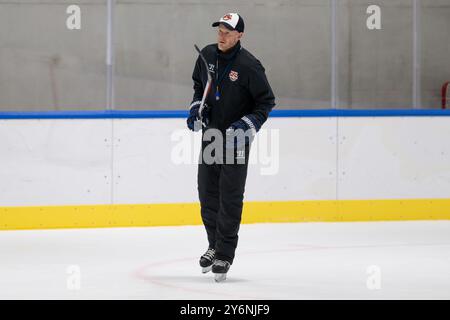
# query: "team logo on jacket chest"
{"type": "Point", "coordinates": [234, 75]}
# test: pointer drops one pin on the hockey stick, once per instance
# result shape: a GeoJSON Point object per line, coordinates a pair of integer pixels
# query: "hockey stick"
{"type": "Point", "coordinates": [208, 84]}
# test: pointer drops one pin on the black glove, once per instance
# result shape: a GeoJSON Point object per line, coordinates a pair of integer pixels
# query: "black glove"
{"type": "Point", "coordinates": [193, 120]}
{"type": "Point", "coordinates": [237, 139]}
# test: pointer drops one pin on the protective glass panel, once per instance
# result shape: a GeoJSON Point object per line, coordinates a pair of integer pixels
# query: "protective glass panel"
{"type": "Point", "coordinates": [435, 52]}
{"type": "Point", "coordinates": [375, 48]}
{"type": "Point", "coordinates": [155, 53]}
{"type": "Point", "coordinates": [46, 65]}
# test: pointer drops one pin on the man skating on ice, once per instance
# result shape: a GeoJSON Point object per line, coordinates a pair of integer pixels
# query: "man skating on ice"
{"type": "Point", "coordinates": [240, 99]}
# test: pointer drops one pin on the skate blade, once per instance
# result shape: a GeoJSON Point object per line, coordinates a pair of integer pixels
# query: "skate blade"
{"type": "Point", "coordinates": [219, 277]}
{"type": "Point", "coordinates": [206, 269]}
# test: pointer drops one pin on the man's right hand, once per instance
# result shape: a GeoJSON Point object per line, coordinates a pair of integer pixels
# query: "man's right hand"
{"type": "Point", "coordinates": [193, 121]}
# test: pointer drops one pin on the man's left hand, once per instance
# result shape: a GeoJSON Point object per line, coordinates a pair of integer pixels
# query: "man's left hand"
{"type": "Point", "coordinates": [236, 134]}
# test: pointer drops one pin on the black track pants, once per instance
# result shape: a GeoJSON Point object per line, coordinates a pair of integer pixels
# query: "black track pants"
{"type": "Point", "coordinates": [221, 191]}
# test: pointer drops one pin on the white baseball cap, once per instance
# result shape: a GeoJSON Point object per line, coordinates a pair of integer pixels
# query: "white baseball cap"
{"type": "Point", "coordinates": [232, 21]}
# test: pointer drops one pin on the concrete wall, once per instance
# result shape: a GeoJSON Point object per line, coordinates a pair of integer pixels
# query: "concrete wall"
{"type": "Point", "coordinates": [44, 66]}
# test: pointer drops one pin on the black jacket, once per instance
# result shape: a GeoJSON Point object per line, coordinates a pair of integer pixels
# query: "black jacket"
{"type": "Point", "coordinates": [244, 90]}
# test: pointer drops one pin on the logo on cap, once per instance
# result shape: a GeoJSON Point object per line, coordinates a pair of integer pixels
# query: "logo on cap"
{"type": "Point", "coordinates": [227, 17]}
{"type": "Point", "coordinates": [233, 75]}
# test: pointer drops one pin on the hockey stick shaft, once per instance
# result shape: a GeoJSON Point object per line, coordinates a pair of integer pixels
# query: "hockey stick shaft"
{"type": "Point", "coordinates": [208, 83]}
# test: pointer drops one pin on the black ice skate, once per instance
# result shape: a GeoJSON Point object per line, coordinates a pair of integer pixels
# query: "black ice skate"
{"type": "Point", "coordinates": [207, 260]}
{"type": "Point", "coordinates": [220, 269]}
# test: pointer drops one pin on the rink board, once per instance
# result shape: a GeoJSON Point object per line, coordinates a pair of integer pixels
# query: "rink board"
{"type": "Point", "coordinates": [62, 173]}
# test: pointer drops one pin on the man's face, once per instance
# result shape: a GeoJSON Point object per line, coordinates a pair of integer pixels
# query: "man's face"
{"type": "Point", "coordinates": [226, 39]}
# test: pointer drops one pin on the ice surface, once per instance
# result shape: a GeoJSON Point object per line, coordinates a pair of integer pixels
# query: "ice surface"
{"type": "Point", "coordinates": [273, 261]}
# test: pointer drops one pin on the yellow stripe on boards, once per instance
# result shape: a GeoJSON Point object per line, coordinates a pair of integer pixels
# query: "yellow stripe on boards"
{"type": "Point", "coordinates": [176, 214]}
{"type": "Point", "coordinates": [99, 216]}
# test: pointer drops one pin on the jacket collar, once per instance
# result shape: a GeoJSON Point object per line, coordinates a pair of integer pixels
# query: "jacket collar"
{"type": "Point", "coordinates": [230, 53]}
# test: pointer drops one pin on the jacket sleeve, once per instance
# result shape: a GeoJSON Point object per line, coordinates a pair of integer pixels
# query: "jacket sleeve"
{"type": "Point", "coordinates": [198, 85]}
{"type": "Point", "coordinates": [262, 95]}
